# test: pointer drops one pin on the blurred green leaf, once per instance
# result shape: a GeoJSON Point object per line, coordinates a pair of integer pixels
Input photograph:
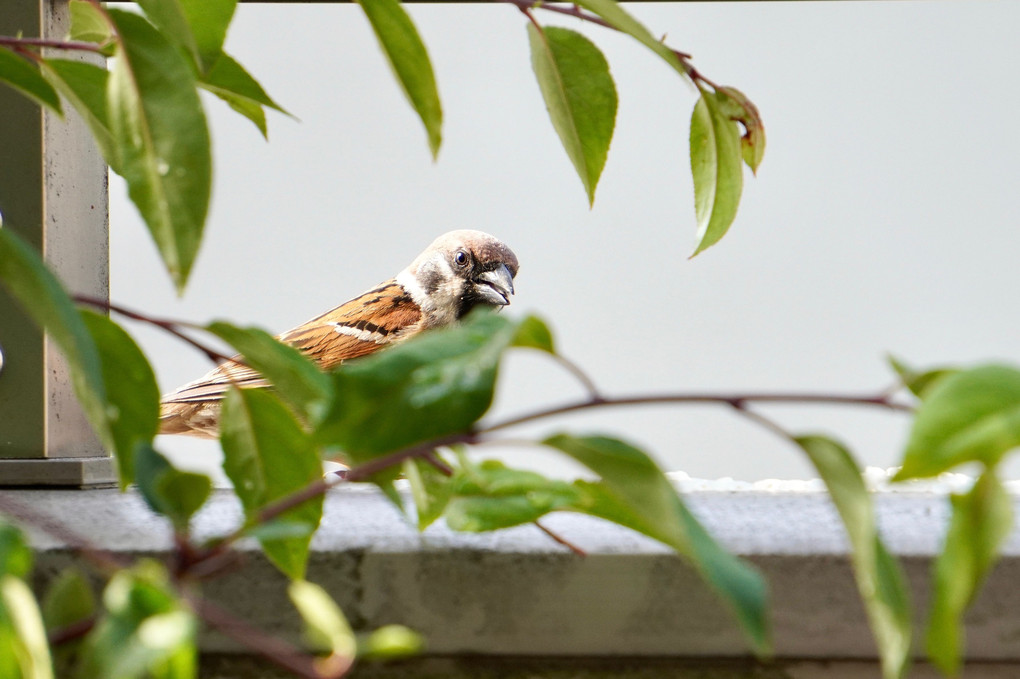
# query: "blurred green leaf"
{"type": "Point", "coordinates": [167, 490]}
{"type": "Point", "coordinates": [410, 61]}
{"type": "Point", "coordinates": [295, 377]}
{"type": "Point", "coordinates": [391, 642]}
{"type": "Point", "coordinates": [267, 455]}
{"type": "Point", "coordinates": [880, 578]}
{"type": "Point", "coordinates": [15, 554]}
{"type": "Point", "coordinates": [326, 627]}
{"type": "Point", "coordinates": [432, 386]}
{"type": "Point", "coordinates": [88, 23]}
{"type": "Point", "coordinates": [533, 333]}
{"type": "Point", "coordinates": [229, 81]}
{"type": "Point", "coordinates": [132, 395]}
{"type": "Point", "coordinates": [69, 599]}
{"type": "Point", "coordinates": [24, 649]}
{"type": "Point", "coordinates": [715, 166]}
{"type": "Point", "coordinates": [615, 15]}
{"type": "Point", "coordinates": [25, 78]}
{"type": "Point", "coordinates": [982, 520]}
{"type": "Point", "coordinates": [634, 492]}
{"type": "Point", "coordinates": [738, 107]}
{"type": "Point", "coordinates": [430, 490]}
{"type": "Point", "coordinates": [26, 277]}
{"type": "Point", "coordinates": [971, 415]}
{"type": "Point", "coordinates": [918, 382]}
{"type": "Point", "coordinates": [580, 96]}
{"type": "Point", "coordinates": [84, 86]}
{"type": "Point", "coordinates": [278, 529]}
{"type": "Point", "coordinates": [162, 139]}
{"type": "Point", "coordinates": [490, 496]}
{"type": "Point", "coordinates": [198, 27]}
{"type": "Point", "coordinates": [147, 631]}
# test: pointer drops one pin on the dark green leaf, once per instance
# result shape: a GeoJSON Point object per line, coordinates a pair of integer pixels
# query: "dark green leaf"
{"type": "Point", "coordinates": [69, 600]}
{"type": "Point", "coordinates": [26, 79]}
{"type": "Point", "coordinates": [430, 490]}
{"type": "Point", "coordinates": [982, 519]}
{"type": "Point", "coordinates": [431, 386]}
{"type": "Point", "coordinates": [84, 86]}
{"type": "Point", "coordinates": [880, 578]}
{"type": "Point", "coordinates": [326, 627]}
{"type": "Point", "coordinates": [580, 96]}
{"type": "Point", "coordinates": [614, 14]}
{"type": "Point", "coordinates": [533, 333]}
{"type": "Point", "coordinates": [132, 395]}
{"type": "Point", "coordinates": [294, 376]}
{"type": "Point", "coordinates": [229, 81]}
{"type": "Point", "coordinates": [715, 166]}
{"type": "Point", "coordinates": [88, 23]}
{"type": "Point", "coordinates": [15, 554]}
{"type": "Point", "coordinates": [391, 642]}
{"type": "Point", "coordinates": [161, 135]}
{"type": "Point", "coordinates": [167, 490]}
{"type": "Point", "coordinates": [490, 496]}
{"type": "Point", "coordinates": [918, 382]}
{"type": "Point", "coordinates": [209, 21]}
{"type": "Point", "coordinates": [24, 650]}
{"type": "Point", "coordinates": [37, 290]}
{"type": "Point", "coordinates": [972, 415]}
{"type": "Point", "coordinates": [267, 455]}
{"type": "Point", "coordinates": [147, 631]}
{"type": "Point", "coordinates": [633, 492]}
{"type": "Point", "coordinates": [407, 55]}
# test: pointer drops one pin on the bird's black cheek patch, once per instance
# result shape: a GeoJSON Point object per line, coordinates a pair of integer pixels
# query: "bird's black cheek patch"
{"type": "Point", "coordinates": [430, 281]}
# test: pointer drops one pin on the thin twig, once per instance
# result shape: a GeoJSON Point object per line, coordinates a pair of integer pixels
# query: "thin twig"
{"type": "Point", "coordinates": [17, 43]}
{"type": "Point", "coordinates": [560, 539]}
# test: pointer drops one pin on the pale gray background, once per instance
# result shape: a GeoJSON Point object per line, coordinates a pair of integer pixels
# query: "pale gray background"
{"type": "Point", "coordinates": [883, 218]}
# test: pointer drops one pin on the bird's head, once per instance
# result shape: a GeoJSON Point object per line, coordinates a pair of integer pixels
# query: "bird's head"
{"type": "Point", "coordinates": [459, 271]}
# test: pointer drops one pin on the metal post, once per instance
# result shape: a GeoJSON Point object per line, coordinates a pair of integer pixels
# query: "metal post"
{"type": "Point", "coordinates": [53, 192]}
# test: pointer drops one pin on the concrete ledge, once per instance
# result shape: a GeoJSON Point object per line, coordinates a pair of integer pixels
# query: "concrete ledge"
{"type": "Point", "coordinates": [517, 593]}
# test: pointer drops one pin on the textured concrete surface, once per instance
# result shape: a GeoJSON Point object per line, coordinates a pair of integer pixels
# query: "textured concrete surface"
{"type": "Point", "coordinates": [517, 593]}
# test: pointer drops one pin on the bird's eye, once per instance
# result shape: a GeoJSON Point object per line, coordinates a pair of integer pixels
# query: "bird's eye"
{"type": "Point", "coordinates": [461, 258]}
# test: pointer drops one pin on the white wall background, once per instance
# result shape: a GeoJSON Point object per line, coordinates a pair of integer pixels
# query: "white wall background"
{"type": "Point", "coordinates": [883, 218]}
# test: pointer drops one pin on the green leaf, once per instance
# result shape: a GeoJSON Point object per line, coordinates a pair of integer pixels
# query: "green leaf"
{"type": "Point", "coordinates": [615, 15]}
{"type": "Point", "coordinates": [326, 628]}
{"type": "Point", "coordinates": [167, 490]}
{"type": "Point", "coordinates": [132, 395]}
{"type": "Point", "coordinates": [430, 490]}
{"type": "Point", "coordinates": [634, 492]}
{"type": "Point", "coordinates": [88, 24]}
{"type": "Point", "coordinates": [972, 415]}
{"type": "Point", "coordinates": [162, 139]}
{"type": "Point", "coordinates": [982, 519]}
{"type": "Point", "coordinates": [715, 166]}
{"type": "Point", "coordinates": [24, 650]}
{"type": "Point", "coordinates": [409, 59]}
{"type": "Point", "coordinates": [229, 81]}
{"type": "Point", "coordinates": [490, 496]}
{"type": "Point", "coordinates": [147, 631]}
{"type": "Point", "coordinates": [69, 600]}
{"type": "Point", "coordinates": [391, 642]}
{"type": "Point", "coordinates": [198, 27]}
{"type": "Point", "coordinates": [28, 280]}
{"type": "Point", "coordinates": [918, 382]}
{"type": "Point", "coordinates": [267, 455]}
{"type": "Point", "coordinates": [84, 86]}
{"type": "Point", "coordinates": [580, 95]}
{"type": "Point", "coordinates": [533, 333]}
{"type": "Point", "coordinates": [429, 387]}
{"type": "Point", "coordinates": [880, 578]}
{"type": "Point", "coordinates": [295, 377]}
{"type": "Point", "coordinates": [26, 79]}
{"type": "Point", "coordinates": [738, 107]}
{"type": "Point", "coordinates": [15, 554]}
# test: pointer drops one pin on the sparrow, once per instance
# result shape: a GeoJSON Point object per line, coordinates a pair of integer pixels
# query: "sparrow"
{"type": "Point", "coordinates": [457, 272]}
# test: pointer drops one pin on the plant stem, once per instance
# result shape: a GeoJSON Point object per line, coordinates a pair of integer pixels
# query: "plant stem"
{"type": "Point", "coordinates": [18, 43]}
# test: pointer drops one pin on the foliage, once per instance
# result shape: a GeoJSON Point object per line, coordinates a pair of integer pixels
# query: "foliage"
{"type": "Point", "coordinates": [403, 410]}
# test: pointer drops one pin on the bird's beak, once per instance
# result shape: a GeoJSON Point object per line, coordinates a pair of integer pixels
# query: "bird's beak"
{"type": "Point", "coordinates": [495, 286]}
